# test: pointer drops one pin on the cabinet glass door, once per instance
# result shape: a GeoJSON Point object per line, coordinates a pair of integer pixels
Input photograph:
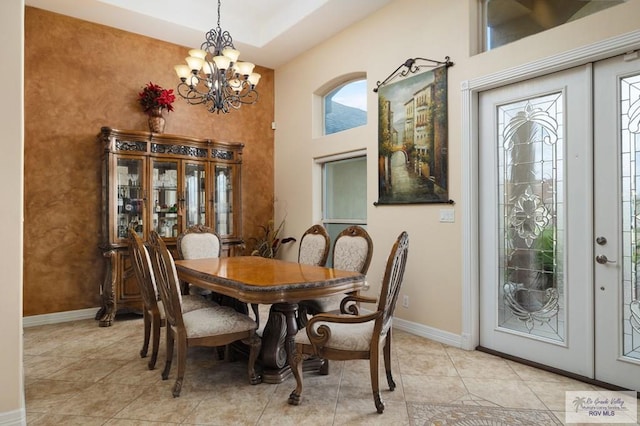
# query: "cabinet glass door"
{"type": "Point", "coordinates": [194, 194]}
{"type": "Point", "coordinates": [223, 199]}
{"type": "Point", "coordinates": [164, 198]}
{"type": "Point", "coordinates": [130, 196]}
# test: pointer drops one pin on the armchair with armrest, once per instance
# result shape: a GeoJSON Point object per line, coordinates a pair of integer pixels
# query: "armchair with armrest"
{"type": "Point", "coordinates": [347, 336]}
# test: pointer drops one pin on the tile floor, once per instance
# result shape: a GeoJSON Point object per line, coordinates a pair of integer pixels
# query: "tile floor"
{"type": "Point", "coordinates": [77, 373]}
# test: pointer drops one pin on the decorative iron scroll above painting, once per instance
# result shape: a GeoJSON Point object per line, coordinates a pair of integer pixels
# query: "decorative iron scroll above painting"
{"type": "Point", "coordinates": [413, 134]}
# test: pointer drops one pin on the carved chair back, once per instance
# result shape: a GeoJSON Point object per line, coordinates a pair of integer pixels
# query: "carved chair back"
{"type": "Point", "coordinates": [198, 242]}
{"type": "Point", "coordinates": [314, 246]}
{"type": "Point", "coordinates": [352, 250]}
{"type": "Point", "coordinates": [142, 269]}
{"type": "Point", "coordinates": [164, 270]}
{"type": "Point", "coordinates": [391, 282]}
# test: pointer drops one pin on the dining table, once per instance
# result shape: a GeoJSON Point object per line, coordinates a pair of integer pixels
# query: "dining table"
{"type": "Point", "coordinates": [282, 284]}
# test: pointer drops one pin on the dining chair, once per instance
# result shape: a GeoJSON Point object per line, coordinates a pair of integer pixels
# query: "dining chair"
{"type": "Point", "coordinates": [197, 242]}
{"type": "Point", "coordinates": [352, 251]}
{"type": "Point", "coordinates": [314, 246]}
{"type": "Point", "coordinates": [152, 308]}
{"type": "Point", "coordinates": [213, 327]}
{"type": "Point", "coordinates": [347, 336]}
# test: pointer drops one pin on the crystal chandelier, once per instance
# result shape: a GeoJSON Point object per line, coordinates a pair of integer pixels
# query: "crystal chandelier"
{"type": "Point", "coordinates": [214, 77]}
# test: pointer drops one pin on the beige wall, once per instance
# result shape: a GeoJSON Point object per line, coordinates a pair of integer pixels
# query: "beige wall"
{"type": "Point", "coordinates": [377, 45]}
{"type": "Point", "coordinates": [11, 160]}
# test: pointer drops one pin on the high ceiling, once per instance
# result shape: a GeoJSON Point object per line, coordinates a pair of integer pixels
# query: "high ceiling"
{"type": "Point", "coordinates": [267, 32]}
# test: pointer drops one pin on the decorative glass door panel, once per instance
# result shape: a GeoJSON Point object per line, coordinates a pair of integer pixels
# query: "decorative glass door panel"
{"type": "Point", "coordinates": [223, 199]}
{"type": "Point", "coordinates": [164, 198]}
{"type": "Point", "coordinates": [130, 204]}
{"type": "Point", "coordinates": [194, 194]}
{"type": "Point", "coordinates": [535, 219]}
{"type": "Point", "coordinates": [630, 131]}
{"type": "Point", "coordinates": [530, 163]}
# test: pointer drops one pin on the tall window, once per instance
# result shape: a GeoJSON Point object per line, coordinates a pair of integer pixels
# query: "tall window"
{"type": "Point", "coordinates": [345, 107]}
{"type": "Point", "coordinates": [344, 201]}
{"type": "Point", "coordinates": [506, 21]}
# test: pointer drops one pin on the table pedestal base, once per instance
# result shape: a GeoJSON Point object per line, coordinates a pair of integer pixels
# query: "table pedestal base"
{"type": "Point", "coordinates": [277, 340]}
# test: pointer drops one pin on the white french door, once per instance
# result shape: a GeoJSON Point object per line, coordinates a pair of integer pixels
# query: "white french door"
{"type": "Point", "coordinates": [617, 219]}
{"type": "Point", "coordinates": [535, 220]}
{"type": "Point", "coordinates": [557, 221]}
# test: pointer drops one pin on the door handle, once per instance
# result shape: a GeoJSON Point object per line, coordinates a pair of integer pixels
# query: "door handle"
{"type": "Point", "coordinates": [602, 259]}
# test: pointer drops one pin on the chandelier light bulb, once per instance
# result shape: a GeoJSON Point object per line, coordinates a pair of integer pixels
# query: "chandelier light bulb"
{"type": "Point", "coordinates": [222, 62]}
{"type": "Point", "coordinates": [182, 71]}
{"type": "Point", "coordinates": [194, 63]}
{"type": "Point", "coordinates": [254, 78]}
{"type": "Point", "coordinates": [198, 53]}
{"type": "Point", "coordinates": [244, 68]}
{"type": "Point", "coordinates": [206, 68]}
{"type": "Point", "coordinates": [231, 53]}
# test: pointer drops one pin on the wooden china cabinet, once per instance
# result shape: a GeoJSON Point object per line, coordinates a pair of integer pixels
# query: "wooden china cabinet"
{"type": "Point", "coordinates": [165, 183]}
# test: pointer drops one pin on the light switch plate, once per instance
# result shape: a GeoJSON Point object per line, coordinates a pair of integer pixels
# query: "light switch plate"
{"type": "Point", "coordinates": [447, 215]}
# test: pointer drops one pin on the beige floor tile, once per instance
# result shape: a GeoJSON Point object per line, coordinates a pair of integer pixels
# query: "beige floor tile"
{"type": "Point", "coordinates": [79, 373]}
{"type": "Point", "coordinates": [232, 406]}
{"type": "Point", "coordinates": [134, 372]}
{"type": "Point", "coordinates": [157, 404]}
{"type": "Point", "coordinates": [504, 393]}
{"type": "Point", "coordinates": [100, 400]}
{"type": "Point", "coordinates": [87, 371]}
{"type": "Point", "coordinates": [528, 373]}
{"type": "Point", "coordinates": [42, 395]}
{"type": "Point", "coordinates": [480, 365]}
{"type": "Point", "coordinates": [361, 411]}
{"type": "Point", "coordinates": [426, 364]}
{"type": "Point", "coordinates": [552, 394]}
{"type": "Point", "coordinates": [435, 389]}
{"type": "Point", "coordinates": [42, 367]}
{"type": "Point", "coordinates": [57, 420]}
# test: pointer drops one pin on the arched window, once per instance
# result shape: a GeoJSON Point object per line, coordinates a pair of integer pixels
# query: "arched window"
{"type": "Point", "coordinates": [345, 106]}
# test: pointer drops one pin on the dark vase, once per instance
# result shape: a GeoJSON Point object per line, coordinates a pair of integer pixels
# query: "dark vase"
{"type": "Point", "coordinates": [156, 121]}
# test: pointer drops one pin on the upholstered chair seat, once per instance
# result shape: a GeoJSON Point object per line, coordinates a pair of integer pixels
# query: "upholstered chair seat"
{"type": "Point", "coordinates": [344, 337]}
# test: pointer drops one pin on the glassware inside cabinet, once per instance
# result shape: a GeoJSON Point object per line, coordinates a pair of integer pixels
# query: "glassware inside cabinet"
{"type": "Point", "coordinates": [194, 194]}
{"type": "Point", "coordinates": [223, 200]}
{"type": "Point", "coordinates": [164, 198]}
{"type": "Point", "coordinates": [130, 196]}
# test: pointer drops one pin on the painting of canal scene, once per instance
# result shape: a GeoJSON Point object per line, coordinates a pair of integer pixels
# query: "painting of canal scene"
{"type": "Point", "coordinates": [412, 139]}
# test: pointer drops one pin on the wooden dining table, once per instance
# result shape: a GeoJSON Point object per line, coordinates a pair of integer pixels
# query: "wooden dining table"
{"type": "Point", "coordinates": [282, 284]}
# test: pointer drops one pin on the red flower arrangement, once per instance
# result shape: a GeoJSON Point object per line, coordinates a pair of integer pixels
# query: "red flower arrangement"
{"type": "Point", "coordinates": [155, 97]}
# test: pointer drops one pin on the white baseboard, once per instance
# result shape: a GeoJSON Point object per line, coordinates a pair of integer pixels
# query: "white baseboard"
{"type": "Point", "coordinates": [58, 317]}
{"type": "Point", "coordinates": [13, 418]}
{"type": "Point", "coordinates": [429, 332]}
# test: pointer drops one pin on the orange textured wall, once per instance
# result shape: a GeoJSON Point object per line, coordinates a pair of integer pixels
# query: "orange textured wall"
{"type": "Point", "coordinates": [80, 76]}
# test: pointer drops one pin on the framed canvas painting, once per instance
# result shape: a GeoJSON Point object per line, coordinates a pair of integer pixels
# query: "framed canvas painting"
{"type": "Point", "coordinates": [412, 139]}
